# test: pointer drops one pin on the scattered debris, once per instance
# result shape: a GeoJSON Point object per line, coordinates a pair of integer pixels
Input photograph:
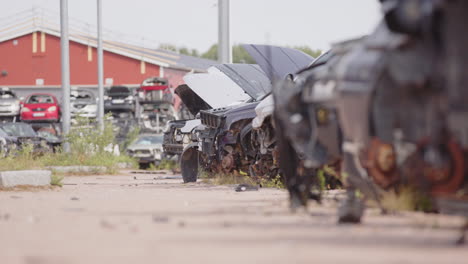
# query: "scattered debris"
{"type": "Point", "coordinates": [245, 188]}
{"type": "Point", "coordinates": [106, 224]}
{"type": "Point", "coordinates": [160, 219]}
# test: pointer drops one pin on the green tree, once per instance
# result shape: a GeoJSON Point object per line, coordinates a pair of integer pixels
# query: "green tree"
{"type": "Point", "coordinates": [211, 53]}
{"type": "Point", "coordinates": [308, 50]}
{"type": "Point", "coordinates": [168, 46]}
{"type": "Point", "coordinates": [239, 55]}
{"type": "Point", "coordinates": [184, 51]}
{"type": "Point", "coordinates": [195, 53]}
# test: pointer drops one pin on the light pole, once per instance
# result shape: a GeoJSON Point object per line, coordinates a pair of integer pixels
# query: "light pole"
{"type": "Point", "coordinates": [100, 67]}
{"type": "Point", "coordinates": [65, 70]}
{"type": "Point", "coordinates": [224, 42]}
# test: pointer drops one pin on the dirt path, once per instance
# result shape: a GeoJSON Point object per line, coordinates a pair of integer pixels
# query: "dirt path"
{"type": "Point", "coordinates": [152, 219]}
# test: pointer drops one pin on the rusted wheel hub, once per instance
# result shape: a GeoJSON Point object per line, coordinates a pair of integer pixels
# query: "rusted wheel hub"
{"type": "Point", "coordinates": [381, 164]}
{"type": "Point", "coordinates": [448, 178]}
{"type": "Point", "coordinates": [228, 162]}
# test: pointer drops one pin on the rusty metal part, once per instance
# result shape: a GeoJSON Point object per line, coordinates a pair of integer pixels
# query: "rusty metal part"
{"type": "Point", "coordinates": [449, 178]}
{"type": "Point", "coordinates": [442, 180]}
{"type": "Point", "coordinates": [380, 163]}
{"type": "Point", "coordinates": [228, 162]}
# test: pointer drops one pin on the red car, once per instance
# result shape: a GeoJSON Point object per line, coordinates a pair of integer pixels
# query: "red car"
{"type": "Point", "coordinates": [40, 107]}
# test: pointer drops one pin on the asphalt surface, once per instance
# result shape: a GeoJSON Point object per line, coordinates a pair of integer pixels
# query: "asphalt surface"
{"type": "Point", "coordinates": [154, 218]}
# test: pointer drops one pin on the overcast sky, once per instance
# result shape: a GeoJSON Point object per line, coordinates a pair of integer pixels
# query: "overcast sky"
{"type": "Point", "coordinates": [193, 23]}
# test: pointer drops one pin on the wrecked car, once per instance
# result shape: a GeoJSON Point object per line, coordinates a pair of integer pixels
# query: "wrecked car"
{"type": "Point", "coordinates": [119, 100]}
{"type": "Point", "coordinates": [231, 91]}
{"type": "Point", "coordinates": [308, 132]}
{"type": "Point", "coordinates": [19, 135]}
{"type": "Point", "coordinates": [146, 149]}
{"type": "Point", "coordinates": [83, 104]}
{"type": "Point", "coordinates": [399, 113]}
{"type": "Point", "coordinates": [178, 133]}
{"type": "Point", "coordinates": [9, 104]}
{"type": "Point", "coordinates": [278, 63]}
{"type": "Point", "coordinates": [225, 139]}
{"type": "Point", "coordinates": [410, 109]}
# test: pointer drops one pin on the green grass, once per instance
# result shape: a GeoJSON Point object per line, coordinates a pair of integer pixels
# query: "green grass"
{"type": "Point", "coordinates": [239, 178]}
{"type": "Point", "coordinates": [87, 145]}
{"type": "Point", "coordinates": [56, 180]}
{"type": "Point", "coordinates": [406, 199]}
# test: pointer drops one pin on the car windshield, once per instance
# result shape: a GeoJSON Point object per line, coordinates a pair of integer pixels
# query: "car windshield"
{"type": "Point", "coordinates": [47, 135]}
{"type": "Point", "coordinates": [7, 95]}
{"type": "Point", "coordinates": [85, 96]}
{"type": "Point", "coordinates": [18, 130]}
{"type": "Point", "coordinates": [40, 99]}
{"type": "Point", "coordinates": [3, 134]}
{"type": "Point", "coordinates": [149, 140]}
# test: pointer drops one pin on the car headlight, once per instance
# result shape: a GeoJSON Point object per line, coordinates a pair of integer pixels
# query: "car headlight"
{"type": "Point", "coordinates": [15, 106]}
{"type": "Point", "coordinates": [52, 109]}
{"type": "Point", "coordinates": [25, 109]}
{"type": "Point", "coordinates": [186, 139]}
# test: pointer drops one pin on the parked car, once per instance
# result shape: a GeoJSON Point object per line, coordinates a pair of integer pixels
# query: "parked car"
{"type": "Point", "coordinates": [40, 107]}
{"type": "Point", "coordinates": [83, 103]}
{"type": "Point", "coordinates": [119, 99]}
{"type": "Point", "coordinates": [9, 104]}
{"type": "Point", "coordinates": [147, 149]}
{"type": "Point", "coordinates": [20, 134]}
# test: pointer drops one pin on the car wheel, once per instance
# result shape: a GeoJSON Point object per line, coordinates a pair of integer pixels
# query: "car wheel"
{"type": "Point", "coordinates": [189, 165]}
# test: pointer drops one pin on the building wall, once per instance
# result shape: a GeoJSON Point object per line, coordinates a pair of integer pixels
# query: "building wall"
{"type": "Point", "coordinates": [23, 66]}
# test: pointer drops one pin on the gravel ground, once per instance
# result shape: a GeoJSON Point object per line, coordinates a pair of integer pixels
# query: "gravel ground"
{"type": "Point", "coordinates": [153, 218]}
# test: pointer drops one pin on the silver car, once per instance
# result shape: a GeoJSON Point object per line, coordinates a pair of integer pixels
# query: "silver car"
{"type": "Point", "coordinates": [147, 149]}
{"type": "Point", "coordinates": [9, 103]}
{"type": "Point", "coordinates": [83, 103]}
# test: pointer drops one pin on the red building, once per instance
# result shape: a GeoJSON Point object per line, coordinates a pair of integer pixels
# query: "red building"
{"type": "Point", "coordinates": [30, 58]}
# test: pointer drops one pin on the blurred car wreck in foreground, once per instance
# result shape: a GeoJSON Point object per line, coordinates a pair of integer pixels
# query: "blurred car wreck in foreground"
{"type": "Point", "coordinates": [392, 106]}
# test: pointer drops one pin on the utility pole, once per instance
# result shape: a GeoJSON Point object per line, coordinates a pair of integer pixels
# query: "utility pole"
{"type": "Point", "coordinates": [224, 42]}
{"type": "Point", "coordinates": [65, 70]}
{"type": "Point", "coordinates": [100, 67]}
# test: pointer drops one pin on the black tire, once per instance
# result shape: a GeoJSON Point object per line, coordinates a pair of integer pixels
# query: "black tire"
{"type": "Point", "coordinates": [189, 165]}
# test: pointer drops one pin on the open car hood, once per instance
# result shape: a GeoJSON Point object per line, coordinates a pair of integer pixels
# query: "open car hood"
{"type": "Point", "coordinates": [216, 88]}
{"type": "Point", "coordinates": [250, 77]}
{"type": "Point", "coordinates": [193, 102]}
{"type": "Point", "coordinates": [278, 62]}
